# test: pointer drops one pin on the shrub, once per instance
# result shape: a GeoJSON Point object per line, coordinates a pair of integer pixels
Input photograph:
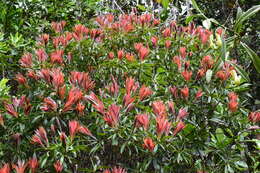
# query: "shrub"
{"type": "Point", "coordinates": [130, 92]}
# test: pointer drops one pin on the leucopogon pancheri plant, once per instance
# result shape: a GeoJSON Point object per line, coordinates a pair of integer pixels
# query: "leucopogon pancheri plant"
{"type": "Point", "coordinates": [129, 94]}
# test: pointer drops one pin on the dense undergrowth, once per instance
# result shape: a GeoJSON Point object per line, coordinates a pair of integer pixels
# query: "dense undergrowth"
{"type": "Point", "coordinates": [129, 93]}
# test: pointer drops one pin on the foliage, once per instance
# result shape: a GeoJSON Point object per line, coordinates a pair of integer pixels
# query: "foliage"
{"type": "Point", "coordinates": [132, 92]}
{"type": "Point", "coordinates": [21, 21]}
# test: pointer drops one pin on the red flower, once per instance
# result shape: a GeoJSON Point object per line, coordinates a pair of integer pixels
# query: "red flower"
{"type": "Point", "coordinates": [154, 40]}
{"type": "Point", "coordinates": [111, 55]}
{"type": "Point", "coordinates": [183, 52]}
{"type": "Point", "coordinates": [96, 103]}
{"type": "Point", "coordinates": [233, 104]}
{"type": "Point", "coordinates": [5, 168]}
{"type": "Point", "coordinates": [68, 36]}
{"type": "Point", "coordinates": [61, 92]}
{"type": "Point", "coordinates": [182, 114]}
{"type": "Point", "coordinates": [138, 46]}
{"type": "Point", "coordinates": [171, 107]}
{"type": "Point", "coordinates": [75, 95]}
{"type": "Point", "coordinates": [84, 130]}
{"type": "Point", "coordinates": [143, 52]}
{"type": "Point", "coordinates": [41, 55]}
{"type": "Point", "coordinates": [40, 137]}
{"type": "Point", "coordinates": [232, 96]}
{"type": "Point", "coordinates": [186, 75]}
{"type": "Point", "coordinates": [185, 92]}
{"type": "Point", "coordinates": [156, 22]}
{"type": "Point", "coordinates": [94, 33]}
{"type": "Point", "coordinates": [57, 78]}
{"type": "Point", "coordinates": [200, 73]}
{"type": "Point", "coordinates": [20, 167]}
{"type": "Point", "coordinates": [110, 18]}
{"type": "Point", "coordinates": [49, 105]}
{"type": "Point", "coordinates": [73, 128]}
{"type": "Point", "coordinates": [128, 102]}
{"type": "Point", "coordinates": [129, 85]}
{"type": "Point", "coordinates": [1, 121]}
{"type": "Point", "coordinates": [113, 88]}
{"type": "Point", "coordinates": [20, 79]}
{"type": "Point", "coordinates": [112, 116]}
{"type": "Point", "coordinates": [168, 44]}
{"type": "Point", "coordinates": [204, 36]}
{"type": "Point", "coordinates": [199, 171]}
{"type": "Point", "coordinates": [106, 171]}
{"type": "Point", "coordinates": [44, 38]}
{"type": "Point", "coordinates": [174, 91]}
{"type": "Point", "coordinates": [82, 79]}
{"type": "Point", "coordinates": [80, 108]}
{"type": "Point", "coordinates": [207, 62]}
{"type": "Point", "coordinates": [26, 60]}
{"type": "Point", "coordinates": [58, 166]}
{"type": "Point", "coordinates": [56, 56]}
{"type": "Point", "coordinates": [63, 137]}
{"type": "Point", "coordinates": [118, 170]}
{"type": "Point", "coordinates": [254, 117]}
{"type": "Point", "coordinates": [37, 140]}
{"type": "Point", "coordinates": [33, 164]}
{"type": "Point", "coordinates": [11, 109]}
{"type": "Point", "coordinates": [58, 26]}
{"type": "Point", "coordinates": [162, 125]}
{"type": "Point", "coordinates": [120, 54]}
{"type": "Point", "coordinates": [149, 144]}
{"type": "Point", "coordinates": [177, 61]}
{"type": "Point", "coordinates": [79, 31]}
{"type": "Point", "coordinates": [173, 25]}
{"type": "Point", "coordinates": [159, 108]}
{"type": "Point", "coordinates": [45, 74]}
{"type": "Point", "coordinates": [199, 94]}
{"type": "Point", "coordinates": [130, 57]}
{"type": "Point", "coordinates": [180, 126]}
{"type": "Point", "coordinates": [31, 74]}
{"type": "Point", "coordinates": [167, 32]}
{"type": "Point", "coordinates": [142, 120]}
{"type": "Point", "coordinates": [145, 92]}
{"type": "Point", "coordinates": [219, 31]}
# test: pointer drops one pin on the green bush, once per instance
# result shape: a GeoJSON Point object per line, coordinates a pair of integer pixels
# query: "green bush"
{"type": "Point", "coordinates": [130, 92]}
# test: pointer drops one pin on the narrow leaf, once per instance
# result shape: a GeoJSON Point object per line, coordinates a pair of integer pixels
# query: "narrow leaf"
{"type": "Point", "coordinates": [246, 15]}
{"type": "Point", "coordinates": [253, 56]}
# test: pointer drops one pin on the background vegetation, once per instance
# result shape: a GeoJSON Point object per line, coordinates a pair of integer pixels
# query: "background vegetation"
{"type": "Point", "coordinates": [215, 138]}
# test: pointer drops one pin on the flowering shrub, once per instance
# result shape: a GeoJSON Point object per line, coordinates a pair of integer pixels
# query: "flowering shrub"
{"type": "Point", "coordinates": [129, 94]}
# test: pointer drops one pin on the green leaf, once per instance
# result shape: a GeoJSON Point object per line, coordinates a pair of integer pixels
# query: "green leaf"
{"type": "Point", "coordinates": [228, 169]}
{"type": "Point", "coordinates": [220, 135]}
{"type": "Point", "coordinates": [3, 83]}
{"type": "Point", "coordinates": [141, 7]}
{"type": "Point", "coordinates": [191, 17]}
{"type": "Point", "coordinates": [123, 147]}
{"type": "Point", "coordinates": [244, 16]}
{"type": "Point", "coordinates": [165, 3]}
{"type": "Point", "coordinates": [241, 164]}
{"type": "Point", "coordinates": [195, 5]}
{"type": "Point", "coordinates": [239, 12]}
{"type": "Point", "coordinates": [253, 56]}
{"type": "Point", "coordinates": [223, 49]}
